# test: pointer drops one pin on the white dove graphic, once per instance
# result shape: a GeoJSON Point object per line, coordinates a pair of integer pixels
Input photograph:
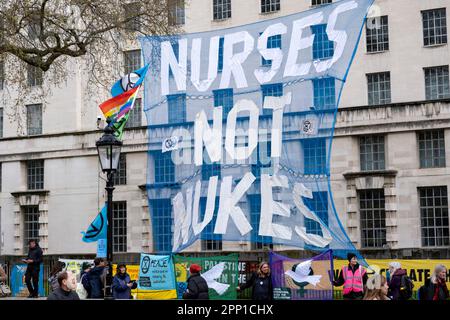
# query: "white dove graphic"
{"type": "Point", "coordinates": [301, 273]}
{"type": "Point", "coordinates": [214, 273]}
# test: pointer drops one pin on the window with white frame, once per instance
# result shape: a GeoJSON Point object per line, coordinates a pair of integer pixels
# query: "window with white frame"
{"type": "Point", "coordinates": [373, 218]}
{"type": "Point", "coordinates": [270, 6]}
{"type": "Point", "coordinates": [30, 224]}
{"type": "Point", "coordinates": [35, 174]}
{"type": "Point", "coordinates": [434, 27]}
{"type": "Point", "coordinates": [379, 88]}
{"type": "Point", "coordinates": [377, 34]}
{"type": "Point", "coordinates": [431, 149]}
{"type": "Point", "coordinates": [119, 226]}
{"type": "Point", "coordinates": [371, 152]}
{"type": "Point", "coordinates": [434, 216]}
{"type": "Point", "coordinates": [120, 176]}
{"type": "Point", "coordinates": [437, 83]}
{"type": "Point", "coordinates": [132, 61]}
{"type": "Point", "coordinates": [221, 9]}
{"type": "Point", "coordinates": [34, 76]}
{"type": "Point", "coordinates": [177, 15]}
{"type": "Point", "coordinates": [135, 118]}
{"type": "Point", "coordinates": [34, 119]}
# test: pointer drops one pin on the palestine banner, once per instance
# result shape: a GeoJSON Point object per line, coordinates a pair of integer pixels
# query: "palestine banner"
{"type": "Point", "coordinates": [220, 272]}
{"type": "Point", "coordinates": [307, 279]}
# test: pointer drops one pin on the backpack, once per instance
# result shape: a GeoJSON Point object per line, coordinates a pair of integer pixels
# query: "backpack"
{"type": "Point", "coordinates": [406, 288]}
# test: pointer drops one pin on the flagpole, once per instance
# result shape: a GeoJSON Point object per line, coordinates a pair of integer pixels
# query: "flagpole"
{"type": "Point", "coordinates": [109, 252]}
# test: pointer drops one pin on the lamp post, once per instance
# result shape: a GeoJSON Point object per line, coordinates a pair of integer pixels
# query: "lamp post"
{"type": "Point", "coordinates": [108, 148]}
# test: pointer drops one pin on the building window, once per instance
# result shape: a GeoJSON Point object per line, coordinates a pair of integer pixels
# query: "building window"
{"type": "Point", "coordinates": [432, 149]}
{"type": "Point", "coordinates": [221, 9]}
{"type": "Point", "coordinates": [35, 174]}
{"type": "Point", "coordinates": [437, 83]}
{"type": "Point", "coordinates": [434, 27]}
{"type": "Point", "coordinates": [371, 153]}
{"type": "Point", "coordinates": [132, 61]}
{"type": "Point", "coordinates": [379, 88]}
{"type": "Point", "coordinates": [220, 62]}
{"type": "Point", "coordinates": [320, 2]}
{"type": "Point", "coordinates": [119, 226]}
{"type": "Point", "coordinates": [377, 34]}
{"type": "Point", "coordinates": [132, 11]}
{"type": "Point", "coordinates": [1, 176]}
{"type": "Point", "coordinates": [270, 6]}
{"type": "Point", "coordinates": [34, 119]}
{"type": "Point", "coordinates": [34, 76]}
{"type": "Point", "coordinates": [373, 218]}
{"type": "Point", "coordinates": [120, 176]}
{"type": "Point", "coordinates": [257, 242]}
{"type": "Point", "coordinates": [177, 108]}
{"type": "Point", "coordinates": [210, 241]}
{"type": "Point", "coordinates": [263, 163]}
{"type": "Point", "coordinates": [271, 90]}
{"type": "Point", "coordinates": [319, 205]}
{"type": "Point", "coordinates": [30, 224]}
{"type": "Point", "coordinates": [272, 42]}
{"type": "Point", "coordinates": [135, 118]}
{"type": "Point", "coordinates": [162, 225]}
{"type": "Point", "coordinates": [315, 156]}
{"type": "Point", "coordinates": [434, 216]}
{"type": "Point", "coordinates": [210, 169]}
{"type": "Point", "coordinates": [1, 122]}
{"type": "Point", "coordinates": [224, 98]}
{"type": "Point", "coordinates": [176, 12]}
{"type": "Point", "coordinates": [164, 167]}
{"type": "Point", "coordinates": [323, 48]}
{"type": "Point", "coordinates": [324, 93]}
{"type": "Point", "coordinates": [2, 74]}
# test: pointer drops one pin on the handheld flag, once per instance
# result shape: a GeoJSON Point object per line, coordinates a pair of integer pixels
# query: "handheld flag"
{"type": "Point", "coordinates": [116, 107]}
{"type": "Point", "coordinates": [129, 81]}
{"type": "Point", "coordinates": [97, 229]}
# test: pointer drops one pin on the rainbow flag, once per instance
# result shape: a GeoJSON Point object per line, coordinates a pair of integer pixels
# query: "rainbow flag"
{"type": "Point", "coordinates": [118, 106]}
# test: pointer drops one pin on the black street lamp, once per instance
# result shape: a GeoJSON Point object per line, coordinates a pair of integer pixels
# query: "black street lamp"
{"type": "Point", "coordinates": [108, 148]}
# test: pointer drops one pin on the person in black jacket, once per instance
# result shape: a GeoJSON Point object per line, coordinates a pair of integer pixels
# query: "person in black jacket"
{"type": "Point", "coordinates": [96, 279]}
{"type": "Point", "coordinates": [261, 282]}
{"type": "Point", "coordinates": [33, 261]}
{"type": "Point", "coordinates": [197, 288]}
{"type": "Point", "coordinates": [67, 286]}
{"type": "Point", "coordinates": [435, 288]}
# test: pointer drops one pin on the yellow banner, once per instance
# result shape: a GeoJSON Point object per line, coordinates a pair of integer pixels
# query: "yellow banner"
{"type": "Point", "coordinates": [133, 271]}
{"type": "Point", "coordinates": [417, 270]}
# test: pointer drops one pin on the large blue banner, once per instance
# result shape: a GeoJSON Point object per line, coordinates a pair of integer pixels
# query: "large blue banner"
{"type": "Point", "coordinates": [156, 273]}
{"type": "Point", "coordinates": [240, 128]}
{"type": "Point", "coordinates": [18, 285]}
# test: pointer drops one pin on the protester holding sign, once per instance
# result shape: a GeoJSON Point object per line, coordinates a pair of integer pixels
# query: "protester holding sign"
{"type": "Point", "coordinates": [435, 288]}
{"type": "Point", "coordinates": [261, 283]}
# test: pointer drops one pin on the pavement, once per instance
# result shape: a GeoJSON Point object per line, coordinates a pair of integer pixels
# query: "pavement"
{"type": "Point", "coordinates": [23, 298]}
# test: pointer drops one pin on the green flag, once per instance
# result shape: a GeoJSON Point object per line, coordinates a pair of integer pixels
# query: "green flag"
{"type": "Point", "coordinates": [119, 126]}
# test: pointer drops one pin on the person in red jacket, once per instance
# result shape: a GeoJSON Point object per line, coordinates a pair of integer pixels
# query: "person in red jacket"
{"type": "Point", "coordinates": [353, 277]}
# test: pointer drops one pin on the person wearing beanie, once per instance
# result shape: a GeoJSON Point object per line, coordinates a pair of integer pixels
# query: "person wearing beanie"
{"type": "Point", "coordinates": [197, 288]}
{"type": "Point", "coordinates": [353, 277]}
{"type": "Point", "coordinates": [122, 284]}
